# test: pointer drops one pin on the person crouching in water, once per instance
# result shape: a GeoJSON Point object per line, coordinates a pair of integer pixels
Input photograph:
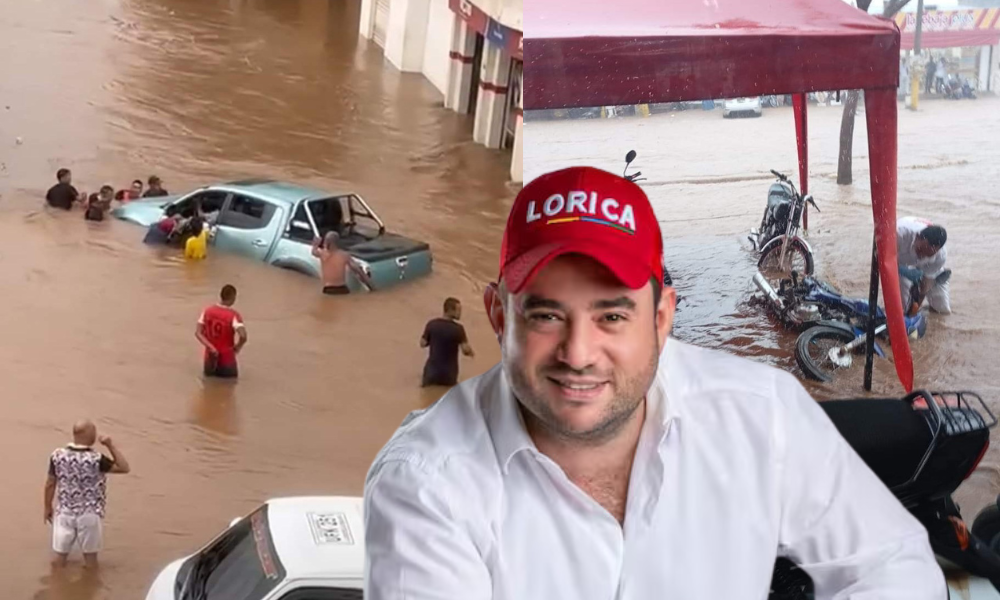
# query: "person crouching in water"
{"type": "Point", "coordinates": [335, 262]}
{"type": "Point", "coordinates": [98, 204]}
{"type": "Point", "coordinates": [196, 246]}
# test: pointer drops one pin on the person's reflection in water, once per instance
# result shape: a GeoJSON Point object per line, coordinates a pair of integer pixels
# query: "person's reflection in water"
{"type": "Point", "coordinates": [63, 584]}
{"type": "Point", "coordinates": [214, 407]}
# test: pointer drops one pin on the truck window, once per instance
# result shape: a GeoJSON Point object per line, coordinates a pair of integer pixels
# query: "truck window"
{"type": "Point", "coordinates": [244, 212]}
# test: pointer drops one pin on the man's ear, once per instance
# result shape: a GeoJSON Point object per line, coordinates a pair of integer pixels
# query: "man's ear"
{"type": "Point", "coordinates": [494, 308]}
{"type": "Point", "coordinates": [665, 313]}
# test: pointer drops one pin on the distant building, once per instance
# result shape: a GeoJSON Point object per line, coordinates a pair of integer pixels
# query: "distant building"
{"type": "Point", "coordinates": [469, 49]}
{"type": "Point", "coordinates": [969, 38]}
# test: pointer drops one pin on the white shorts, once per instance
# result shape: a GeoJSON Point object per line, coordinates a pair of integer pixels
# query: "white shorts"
{"type": "Point", "coordinates": [87, 530]}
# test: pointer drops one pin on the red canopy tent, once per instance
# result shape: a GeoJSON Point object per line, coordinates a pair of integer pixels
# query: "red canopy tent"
{"type": "Point", "coordinates": [581, 53]}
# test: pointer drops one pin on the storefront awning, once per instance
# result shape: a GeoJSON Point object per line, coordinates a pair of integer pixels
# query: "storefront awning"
{"type": "Point", "coordinates": [952, 28]}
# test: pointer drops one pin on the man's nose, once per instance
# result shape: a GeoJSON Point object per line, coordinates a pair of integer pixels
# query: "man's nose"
{"type": "Point", "coordinates": [578, 345]}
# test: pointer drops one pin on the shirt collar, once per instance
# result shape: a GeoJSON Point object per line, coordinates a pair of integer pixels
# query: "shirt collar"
{"type": "Point", "coordinates": [505, 423]}
{"type": "Point", "coordinates": [511, 437]}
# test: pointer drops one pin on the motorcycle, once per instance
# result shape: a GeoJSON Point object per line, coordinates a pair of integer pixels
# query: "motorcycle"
{"type": "Point", "coordinates": [832, 326]}
{"type": "Point", "coordinates": [959, 89]}
{"type": "Point", "coordinates": [634, 178]}
{"type": "Point", "coordinates": [781, 248]}
{"type": "Point", "coordinates": [922, 448]}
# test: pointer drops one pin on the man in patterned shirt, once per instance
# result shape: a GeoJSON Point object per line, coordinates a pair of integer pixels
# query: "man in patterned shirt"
{"type": "Point", "coordinates": [77, 485]}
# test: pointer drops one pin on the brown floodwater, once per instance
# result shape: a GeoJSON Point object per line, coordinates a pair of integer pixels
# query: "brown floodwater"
{"type": "Point", "coordinates": [95, 324]}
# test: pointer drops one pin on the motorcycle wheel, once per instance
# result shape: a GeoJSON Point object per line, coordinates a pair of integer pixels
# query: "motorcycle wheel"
{"type": "Point", "coordinates": [800, 260]}
{"type": "Point", "coordinates": [812, 347]}
{"type": "Point", "coordinates": [986, 527]}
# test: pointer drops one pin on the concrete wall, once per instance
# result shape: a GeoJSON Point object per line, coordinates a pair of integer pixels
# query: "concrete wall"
{"type": "Point", "coordinates": [367, 19]}
{"type": "Point", "coordinates": [406, 35]}
{"type": "Point", "coordinates": [440, 28]}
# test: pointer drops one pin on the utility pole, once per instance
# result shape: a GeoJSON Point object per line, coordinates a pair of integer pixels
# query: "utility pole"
{"type": "Point", "coordinates": [915, 81]}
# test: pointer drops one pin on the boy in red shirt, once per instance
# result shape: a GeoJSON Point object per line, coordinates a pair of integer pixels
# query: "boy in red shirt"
{"type": "Point", "coordinates": [218, 329]}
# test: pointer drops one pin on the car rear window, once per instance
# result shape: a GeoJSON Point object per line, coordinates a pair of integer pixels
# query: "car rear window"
{"type": "Point", "coordinates": [240, 565]}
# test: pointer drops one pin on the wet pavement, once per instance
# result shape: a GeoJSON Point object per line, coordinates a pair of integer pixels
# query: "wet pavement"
{"type": "Point", "coordinates": [95, 324]}
{"type": "Point", "coordinates": [708, 180]}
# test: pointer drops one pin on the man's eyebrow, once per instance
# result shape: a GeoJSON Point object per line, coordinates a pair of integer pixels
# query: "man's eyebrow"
{"type": "Point", "coordinates": [532, 302]}
{"type": "Point", "coordinates": [619, 302]}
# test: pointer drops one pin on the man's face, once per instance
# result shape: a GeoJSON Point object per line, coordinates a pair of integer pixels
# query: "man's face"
{"type": "Point", "coordinates": [136, 187]}
{"type": "Point", "coordinates": [924, 249]}
{"type": "Point", "coordinates": [67, 178]}
{"type": "Point", "coordinates": [580, 349]}
{"type": "Point", "coordinates": [456, 312]}
{"type": "Point", "coordinates": [107, 195]}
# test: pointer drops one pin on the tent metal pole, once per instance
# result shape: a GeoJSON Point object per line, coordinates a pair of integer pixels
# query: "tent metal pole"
{"type": "Point", "coordinates": [872, 311]}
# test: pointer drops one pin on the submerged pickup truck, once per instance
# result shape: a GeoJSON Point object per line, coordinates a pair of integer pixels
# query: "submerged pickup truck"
{"type": "Point", "coordinates": [276, 222]}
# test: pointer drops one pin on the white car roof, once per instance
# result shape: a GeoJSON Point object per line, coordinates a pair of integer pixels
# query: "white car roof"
{"type": "Point", "coordinates": [318, 537]}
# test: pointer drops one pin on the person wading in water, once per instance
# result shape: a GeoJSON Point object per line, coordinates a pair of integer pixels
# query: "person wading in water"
{"type": "Point", "coordinates": [335, 262]}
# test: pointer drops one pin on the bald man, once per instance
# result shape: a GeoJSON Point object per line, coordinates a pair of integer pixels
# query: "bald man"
{"type": "Point", "coordinates": [335, 263]}
{"type": "Point", "coordinates": [77, 485]}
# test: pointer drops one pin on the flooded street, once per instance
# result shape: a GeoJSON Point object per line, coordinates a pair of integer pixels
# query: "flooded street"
{"type": "Point", "coordinates": [708, 180]}
{"type": "Point", "coordinates": [95, 324]}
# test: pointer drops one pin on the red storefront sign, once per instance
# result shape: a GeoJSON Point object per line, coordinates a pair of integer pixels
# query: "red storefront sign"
{"type": "Point", "coordinates": [951, 28]}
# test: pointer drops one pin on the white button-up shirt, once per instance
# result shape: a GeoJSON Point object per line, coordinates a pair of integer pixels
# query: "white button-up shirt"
{"type": "Point", "coordinates": [907, 229]}
{"type": "Point", "coordinates": [736, 465]}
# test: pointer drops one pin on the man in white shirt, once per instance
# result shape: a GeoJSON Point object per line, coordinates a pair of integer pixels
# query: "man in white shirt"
{"type": "Point", "coordinates": [921, 256]}
{"type": "Point", "coordinates": [601, 460]}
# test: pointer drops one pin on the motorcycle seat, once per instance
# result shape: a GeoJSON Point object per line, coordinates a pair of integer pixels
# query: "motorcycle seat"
{"type": "Point", "coordinates": [889, 435]}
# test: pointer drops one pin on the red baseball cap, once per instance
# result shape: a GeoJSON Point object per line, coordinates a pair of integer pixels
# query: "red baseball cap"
{"type": "Point", "coordinates": [582, 210]}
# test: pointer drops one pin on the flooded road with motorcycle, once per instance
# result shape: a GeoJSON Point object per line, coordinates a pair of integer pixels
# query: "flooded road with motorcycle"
{"type": "Point", "coordinates": [708, 179]}
{"type": "Point", "coordinates": [95, 324]}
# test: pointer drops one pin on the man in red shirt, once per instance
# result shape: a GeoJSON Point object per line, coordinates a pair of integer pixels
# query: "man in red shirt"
{"type": "Point", "coordinates": [218, 329]}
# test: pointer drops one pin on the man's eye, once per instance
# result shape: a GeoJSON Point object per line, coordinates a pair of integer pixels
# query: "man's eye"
{"type": "Point", "coordinates": [543, 317]}
{"type": "Point", "coordinates": [614, 318]}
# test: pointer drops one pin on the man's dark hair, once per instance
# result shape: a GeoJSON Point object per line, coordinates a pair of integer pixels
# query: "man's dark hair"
{"type": "Point", "coordinates": [107, 189]}
{"type": "Point", "coordinates": [228, 293]}
{"type": "Point", "coordinates": [197, 225]}
{"type": "Point", "coordinates": [61, 173]}
{"type": "Point", "coordinates": [935, 235]}
{"type": "Point", "coordinates": [657, 291]}
{"type": "Point", "coordinates": [450, 304]}
{"type": "Point", "coordinates": [153, 179]}
{"type": "Point", "coordinates": [135, 181]}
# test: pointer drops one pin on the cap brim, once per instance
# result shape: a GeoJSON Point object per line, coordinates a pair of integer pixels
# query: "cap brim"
{"type": "Point", "coordinates": [632, 272]}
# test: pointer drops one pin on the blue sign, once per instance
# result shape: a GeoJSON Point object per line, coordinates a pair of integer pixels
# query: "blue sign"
{"type": "Point", "coordinates": [496, 33]}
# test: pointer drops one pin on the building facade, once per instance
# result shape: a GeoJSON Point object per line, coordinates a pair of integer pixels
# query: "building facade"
{"type": "Point", "coordinates": [469, 49]}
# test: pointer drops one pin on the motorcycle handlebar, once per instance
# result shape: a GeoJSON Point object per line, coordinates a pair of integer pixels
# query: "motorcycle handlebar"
{"type": "Point", "coordinates": [779, 175]}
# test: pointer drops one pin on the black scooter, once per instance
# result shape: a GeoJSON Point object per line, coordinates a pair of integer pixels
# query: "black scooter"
{"type": "Point", "coordinates": [636, 177]}
{"type": "Point", "coordinates": [922, 447]}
